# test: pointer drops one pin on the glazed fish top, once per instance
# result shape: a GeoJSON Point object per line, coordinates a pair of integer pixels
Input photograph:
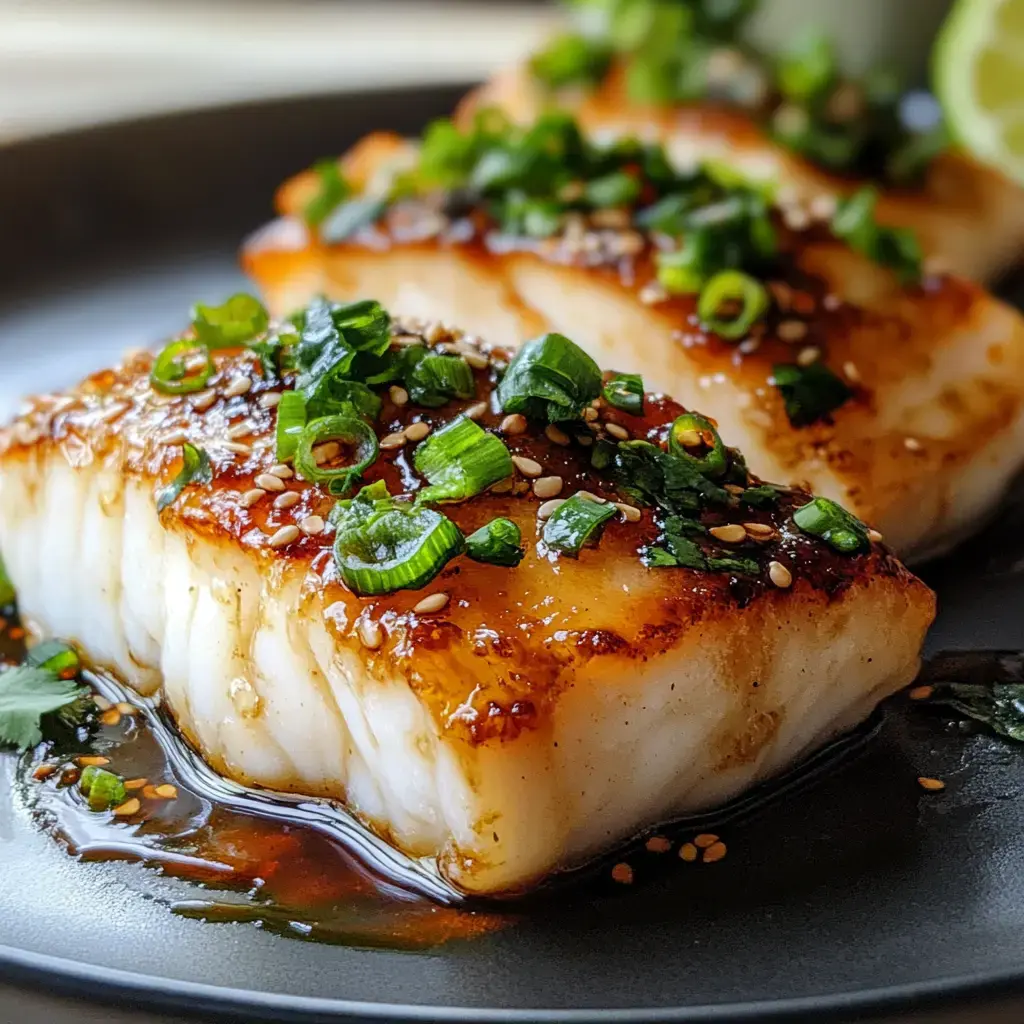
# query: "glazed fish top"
{"type": "Point", "coordinates": [479, 553]}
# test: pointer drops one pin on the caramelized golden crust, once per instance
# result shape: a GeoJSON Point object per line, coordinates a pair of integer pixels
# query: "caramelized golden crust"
{"type": "Point", "coordinates": [494, 660]}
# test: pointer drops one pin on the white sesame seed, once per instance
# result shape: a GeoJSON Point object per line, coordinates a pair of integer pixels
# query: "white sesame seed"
{"type": "Point", "coordinates": [433, 603]}
{"type": "Point", "coordinates": [286, 535]}
{"type": "Point", "coordinates": [312, 525]}
{"type": "Point", "coordinates": [287, 500]}
{"type": "Point", "coordinates": [269, 482]}
{"type": "Point", "coordinates": [547, 486]}
{"type": "Point", "coordinates": [240, 430]}
{"type": "Point", "coordinates": [282, 471]}
{"type": "Point", "coordinates": [250, 498]}
{"type": "Point", "coordinates": [689, 438]}
{"type": "Point", "coordinates": [831, 302]}
{"type": "Point", "coordinates": [590, 414]}
{"type": "Point", "coordinates": [325, 452]}
{"type": "Point", "coordinates": [874, 536]}
{"type": "Point", "coordinates": [630, 513]}
{"type": "Point", "coordinates": [476, 359]}
{"type": "Point", "coordinates": [779, 575]}
{"type": "Point", "coordinates": [417, 431]}
{"type": "Point", "coordinates": [616, 431]}
{"type": "Point", "coordinates": [238, 447]}
{"type": "Point", "coordinates": [808, 355]}
{"type": "Point", "coordinates": [406, 340]}
{"type": "Point", "coordinates": [398, 396]}
{"type": "Point", "coordinates": [370, 634]}
{"type": "Point", "coordinates": [759, 531]}
{"type": "Point", "coordinates": [823, 207]}
{"type": "Point", "coordinates": [436, 332]}
{"type": "Point", "coordinates": [652, 293]}
{"type": "Point", "coordinates": [174, 437]}
{"type": "Point", "coordinates": [792, 330]}
{"type": "Point", "coordinates": [911, 444]}
{"type": "Point", "coordinates": [548, 509]}
{"type": "Point", "coordinates": [203, 400]}
{"type": "Point", "coordinates": [590, 496]}
{"type": "Point", "coordinates": [851, 372]}
{"type": "Point", "coordinates": [730, 533]}
{"type": "Point", "coordinates": [513, 424]}
{"type": "Point", "coordinates": [474, 412]}
{"type": "Point", "coordinates": [238, 387]}
{"type": "Point", "coordinates": [796, 218]}
{"type": "Point", "coordinates": [749, 345]}
{"type": "Point", "coordinates": [556, 435]}
{"type": "Point", "coordinates": [271, 400]}
{"type": "Point", "coordinates": [528, 467]}
{"type": "Point", "coordinates": [391, 441]}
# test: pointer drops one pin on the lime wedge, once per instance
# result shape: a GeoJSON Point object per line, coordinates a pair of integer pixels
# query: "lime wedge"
{"type": "Point", "coordinates": [978, 70]}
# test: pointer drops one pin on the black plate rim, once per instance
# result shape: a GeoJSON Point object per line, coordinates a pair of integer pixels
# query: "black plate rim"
{"type": "Point", "coordinates": [81, 979]}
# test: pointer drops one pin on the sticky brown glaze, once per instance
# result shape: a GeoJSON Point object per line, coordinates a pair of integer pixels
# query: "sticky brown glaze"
{"type": "Point", "coordinates": [969, 217]}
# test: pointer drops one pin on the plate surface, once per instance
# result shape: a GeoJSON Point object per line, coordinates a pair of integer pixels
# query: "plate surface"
{"type": "Point", "coordinates": [858, 892]}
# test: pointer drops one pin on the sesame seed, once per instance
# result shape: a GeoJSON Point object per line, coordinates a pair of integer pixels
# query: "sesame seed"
{"type": "Point", "coordinates": [688, 438]}
{"type": "Point", "coordinates": [513, 424]}
{"type": "Point", "coordinates": [630, 513]}
{"type": "Point", "coordinates": [688, 852]}
{"type": "Point", "coordinates": [874, 536]}
{"type": "Point", "coordinates": [932, 785]}
{"type": "Point", "coordinates": [547, 486]}
{"type": "Point", "coordinates": [556, 435]}
{"type": "Point", "coordinates": [93, 761]}
{"type": "Point", "coordinates": [911, 444]}
{"type": "Point", "coordinates": [779, 575]}
{"type": "Point", "coordinates": [240, 430]}
{"type": "Point", "coordinates": [476, 359]}
{"type": "Point", "coordinates": [311, 526]}
{"type": "Point", "coordinates": [792, 330]}
{"type": "Point", "coordinates": [371, 635]}
{"type": "Point", "coordinates": [436, 332]}
{"type": "Point", "coordinates": [174, 437]}
{"type": "Point", "coordinates": [714, 853]}
{"type": "Point", "coordinates": [271, 400]}
{"type": "Point", "coordinates": [851, 372]}
{"type": "Point", "coordinates": [658, 844]}
{"type": "Point", "coordinates": [102, 703]}
{"type": "Point", "coordinates": [652, 293]}
{"type": "Point", "coordinates": [44, 771]}
{"type": "Point", "coordinates": [167, 791]}
{"type": "Point", "coordinates": [325, 452]}
{"type": "Point", "coordinates": [398, 396]}
{"type": "Point", "coordinates": [287, 500]}
{"type": "Point", "coordinates": [238, 387]}
{"type": "Point", "coordinates": [433, 603]}
{"type": "Point", "coordinates": [823, 207]}
{"type": "Point", "coordinates": [282, 471]}
{"type": "Point", "coordinates": [704, 840]}
{"type": "Point", "coordinates": [590, 496]}
{"type": "Point", "coordinates": [202, 401]}
{"type": "Point", "coordinates": [238, 447]}
{"type": "Point", "coordinates": [808, 355]}
{"type": "Point", "coordinates": [759, 531]}
{"type": "Point", "coordinates": [111, 717]}
{"type": "Point", "coordinates": [128, 808]}
{"type": "Point", "coordinates": [406, 340]}
{"type": "Point", "coordinates": [548, 509]}
{"type": "Point", "coordinates": [528, 467]}
{"type": "Point", "coordinates": [921, 692]}
{"type": "Point", "coordinates": [392, 441]}
{"type": "Point", "coordinates": [149, 792]}
{"type": "Point", "coordinates": [616, 431]}
{"type": "Point", "coordinates": [474, 412]}
{"type": "Point", "coordinates": [623, 874]}
{"type": "Point", "coordinates": [797, 218]}
{"type": "Point", "coordinates": [269, 482]}
{"type": "Point", "coordinates": [590, 414]}
{"type": "Point", "coordinates": [250, 498]}
{"type": "Point", "coordinates": [831, 302]}
{"type": "Point", "coordinates": [286, 535]}
{"type": "Point", "coordinates": [748, 346]}
{"type": "Point", "coordinates": [417, 431]}
{"type": "Point", "coordinates": [132, 784]}
{"type": "Point", "coordinates": [730, 533]}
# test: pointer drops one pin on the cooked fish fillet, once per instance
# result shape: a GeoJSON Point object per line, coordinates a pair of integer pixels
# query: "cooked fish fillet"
{"type": "Point", "coordinates": [969, 217]}
{"type": "Point", "coordinates": [545, 712]}
{"type": "Point", "coordinates": [923, 450]}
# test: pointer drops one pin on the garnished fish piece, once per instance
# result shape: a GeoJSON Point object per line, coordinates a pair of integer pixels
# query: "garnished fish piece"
{"type": "Point", "coordinates": [507, 609]}
{"type": "Point", "coordinates": [821, 345]}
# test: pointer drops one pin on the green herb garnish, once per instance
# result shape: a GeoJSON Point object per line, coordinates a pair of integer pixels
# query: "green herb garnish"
{"type": "Point", "coordinates": [625, 391]}
{"type": "Point", "coordinates": [810, 393]}
{"type": "Point", "coordinates": [575, 522]}
{"type": "Point", "coordinates": [460, 461]}
{"type": "Point", "coordinates": [694, 439]}
{"type": "Point", "coordinates": [433, 380]}
{"type": "Point", "coordinates": [550, 379]}
{"type": "Point", "coordinates": [101, 788]}
{"type": "Point", "coordinates": [824, 518]}
{"type": "Point", "coordinates": [332, 190]}
{"type": "Point", "coordinates": [497, 543]}
{"type": "Point", "coordinates": [181, 368]}
{"type": "Point", "coordinates": [356, 437]}
{"type": "Point", "coordinates": [731, 303]}
{"type": "Point", "coordinates": [898, 248]}
{"type": "Point", "coordinates": [7, 594]}
{"type": "Point", "coordinates": [30, 697]}
{"type": "Point", "coordinates": [571, 60]}
{"type": "Point", "coordinates": [231, 324]}
{"type": "Point", "coordinates": [195, 469]}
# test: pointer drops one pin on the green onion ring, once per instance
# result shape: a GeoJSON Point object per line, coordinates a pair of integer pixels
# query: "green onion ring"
{"type": "Point", "coordinates": [169, 375]}
{"type": "Point", "coordinates": [732, 285]}
{"type": "Point", "coordinates": [349, 429]}
{"type": "Point", "coordinates": [715, 459]}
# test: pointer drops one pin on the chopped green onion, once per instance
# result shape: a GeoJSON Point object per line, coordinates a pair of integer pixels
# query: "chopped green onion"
{"type": "Point", "coordinates": [434, 380]}
{"type": "Point", "coordinates": [195, 469]}
{"type": "Point", "coordinates": [761, 496]}
{"type": "Point", "coordinates": [351, 431]}
{"type": "Point", "coordinates": [497, 543]}
{"type": "Point", "coordinates": [102, 789]}
{"type": "Point", "coordinates": [461, 460]}
{"type": "Point", "coordinates": [291, 421]}
{"type": "Point", "coordinates": [7, 594]}
{"type": "Point", "coordinates": [333, 189]}
{"type": "Point", "coordinates": [171, 374]}
{"type": "Point", "coordinates": [550, 379]}
{"type": "Point", "coordinates": [570, 60]}
{"type": "Point", "coordinates": [383, 545]}
{"type": "Point", "coordinates": [678, 271]}
{"type": "Point", "coordinates": [232, 324]}
{"type": "Point", "coordinates": [808, 69]}
{"type": "Point", "coordinates": [349, 217]}
{"type": "Point", "coordinates": [625, 391]}
{"type": "Point", "coordinates": [575, 522]}
{"type": "Point", "coordinates": [809, 392]}
{"type": "Point", "coordinates": [54, 656]}
{"type": "Point", "coordinates": [692, 433]}
{"type": "Point", "coordinates": [728, 288]}
{"type": "Point", "coordinates": [615, 189]}
{"type": "Point", "coordinates": [824, 518]}
{"type": "Point", "coordinates": [897, 248]}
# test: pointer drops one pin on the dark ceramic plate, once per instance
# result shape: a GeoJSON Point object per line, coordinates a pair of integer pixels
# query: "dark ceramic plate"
{"type": "Point", "coordinates": [855, 893]}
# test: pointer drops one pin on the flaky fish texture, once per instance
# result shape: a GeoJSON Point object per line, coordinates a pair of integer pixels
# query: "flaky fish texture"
{"type": "Point", "coordinates": [923, 450]}
{"type": "Point", "coordinates": [969, 217]}
{"type": "Point", "coordinates": [544, 713]}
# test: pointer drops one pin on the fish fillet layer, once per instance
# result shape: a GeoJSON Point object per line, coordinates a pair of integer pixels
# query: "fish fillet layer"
{"type": "Point", "coordinates": [547, 712]}
{"type": "Point", "coordinates": [969, 217]}
{"type": "Point", "coordinates": [923, 450]}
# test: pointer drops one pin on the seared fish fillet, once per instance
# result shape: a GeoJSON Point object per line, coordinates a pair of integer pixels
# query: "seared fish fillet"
{"type": "Point", "coordinates": [540, 714]}
{"type": "Point", "coordinates": [969, 217]}
{"type": "Point", "coordinates": [923, 449]}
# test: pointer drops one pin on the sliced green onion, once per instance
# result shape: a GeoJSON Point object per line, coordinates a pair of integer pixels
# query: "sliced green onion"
{"type": "Point", "coordinates": [172, 376]}
{"type": "Point", "coordinates": [195, 469]}
{"type": "Point", "coordinates": [692, 433]}
{"type": "Point", "coordinates": [54, 656]}
{"type": "Point", "coordinates": [625, 391]}
{"type": "Point", "coordinates": [569, 60]}
{"type": "Point", "coordinates": [824, 518]}
{"type": "Point", "coordinates": [679, 270]}
{"type": "Point", "coordinates": [291, 421]}
{"type": "Point", "coordinates": [434, 380]}
{"type": "Point", "coordinates": [808, 69]}
{"type": "Point", "coordinates": [809, 392]}
{"type": "Point", "coordinates": [351, 431]}
{"type": "Point", "coordinates": [761, 496]}
{"type": "Point", "coordinates": [550, 379]}
{"type": "Point", "coordinates": [332, 190]}
{"type": "Point", "coordinates": [383, 545]}
{"type": "Point", "coordinates": [615, 189]}
{"type": "Point", "coordinates": [461, 460]}
{"type": "Point", "coordinates": [727, 288]}
{"type": "Point", "coordinates": [349, 217]}
{"type": "Point", "coordinates": [897, 248]}
{"type": "Point", "coordinates": [232, 324]}
{"type": "Point", "coordinates": [102, 789]}
{"type": "Point", "coordinates": [575, 522]}
{"type": "Point", "coordinates": [497, 543]}
{"type": "Point", "coordinates": [7, 594]}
